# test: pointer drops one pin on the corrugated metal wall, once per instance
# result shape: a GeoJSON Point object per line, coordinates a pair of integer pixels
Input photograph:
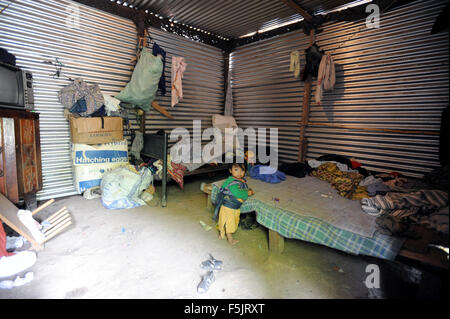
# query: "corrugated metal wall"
{"type": "Point", "coordinates": [203, 84]}
{"type": "Point", "coordinates": [97, 47]}
{"type": "Point", "coordinates": [265, 93]}
{"type": "Point", "coordinates": [395, 77]}
{"type": "Point", "coordinates": [93, 45]}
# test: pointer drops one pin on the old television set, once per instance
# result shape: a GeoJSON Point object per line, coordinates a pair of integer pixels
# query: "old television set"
{"type": "Point", "coordinates": [16, 88]}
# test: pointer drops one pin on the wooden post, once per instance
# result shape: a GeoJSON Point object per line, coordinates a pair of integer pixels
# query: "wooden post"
{"type": "Point", "coordinates": [276, 242]}
{"type": "Point", "coordinates": [226, 68]}
{"type": "Point", "coordinates": [305, 110]}
{"type": "Point", "coordinates": [298, 9]}
{"type": "Point", "coordinates": [143, 122]}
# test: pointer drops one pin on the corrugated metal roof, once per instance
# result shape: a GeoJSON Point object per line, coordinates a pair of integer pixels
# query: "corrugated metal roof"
{"type": "Point", "coordinates": [233, 18]}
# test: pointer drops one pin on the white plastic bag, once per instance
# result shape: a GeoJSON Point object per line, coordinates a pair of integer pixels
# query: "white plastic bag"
{"type": "Point", "coordinates": [122, 187]}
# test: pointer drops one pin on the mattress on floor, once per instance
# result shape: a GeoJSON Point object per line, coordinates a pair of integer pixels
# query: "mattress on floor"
{"type": "Point", "coordinates": [310, 209]}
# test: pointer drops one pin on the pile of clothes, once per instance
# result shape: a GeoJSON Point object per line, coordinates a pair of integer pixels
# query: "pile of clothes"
{"type": "Point", "coordinates": [297, 169]}
{"type": "Point", "coordinates": [345, 182]}
{"type": "Point", "coordinates": [342, 173]}
{"type": "Point", "coordinates": [401, 203]}
{"type": "Point", "coordinates": [81, 99]}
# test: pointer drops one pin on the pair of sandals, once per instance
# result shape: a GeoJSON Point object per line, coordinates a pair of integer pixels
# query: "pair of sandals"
{"type": "Point", "coordinates": [212, 265]}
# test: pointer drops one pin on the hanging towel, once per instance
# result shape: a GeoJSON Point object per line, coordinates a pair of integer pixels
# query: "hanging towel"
{"type": "Point", "coordinates": [178, 68]}
{"type": "Point", "coordinates": [295, 63]}
{"type": "Point", "coordinates": [326, 77]}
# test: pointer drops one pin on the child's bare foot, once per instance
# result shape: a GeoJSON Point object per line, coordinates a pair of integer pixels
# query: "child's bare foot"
{"type": "Point", "coordinates": [221, 236]}
{"type": "Point", "coordinates": [230, 239]}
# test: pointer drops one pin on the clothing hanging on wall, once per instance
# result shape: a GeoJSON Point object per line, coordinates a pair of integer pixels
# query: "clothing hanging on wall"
{"type": "Point", "coordinates": [295, 63]}
{"type": "Point", "coordinates": [326, 78]}
{"type": "Point", "coordinates": [178, 68]}
{"type": "Point", "coordinates": [162, 81]}
{"type": "Point", "coordinates": [313, 56]}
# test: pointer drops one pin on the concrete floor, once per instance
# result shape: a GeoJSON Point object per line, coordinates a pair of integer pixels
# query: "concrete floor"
{"type": "Point", "coordinates": [154, 252]}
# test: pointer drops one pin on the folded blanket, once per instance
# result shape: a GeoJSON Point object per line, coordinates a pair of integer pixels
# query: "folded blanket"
{"type": "Point", "coordinates": [427, 200]}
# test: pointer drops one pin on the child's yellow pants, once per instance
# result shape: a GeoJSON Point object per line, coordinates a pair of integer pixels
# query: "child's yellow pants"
{"type": "Point", "coordinates": [228, 220]}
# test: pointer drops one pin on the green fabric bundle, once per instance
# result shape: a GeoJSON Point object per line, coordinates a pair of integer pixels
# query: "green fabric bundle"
{"type": "Point", "coordinates": [141, 90]}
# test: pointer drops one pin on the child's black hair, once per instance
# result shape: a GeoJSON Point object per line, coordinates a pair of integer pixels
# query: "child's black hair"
{"type": "Point", "coordinates": [241, 165]}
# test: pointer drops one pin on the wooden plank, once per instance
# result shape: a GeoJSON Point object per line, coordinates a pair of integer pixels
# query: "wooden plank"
{"type": "Point", "coordinates": [57, 225]}
{"type": "Point", "coordinates": [8, 214]}
{"type": "Point", "coordinates": [18, 113]}
{"type": "Point", "coordinates": [276, 242]}
{"type": "Point", "coordinates": [50, 236]}
{"type": "Point", "coordinates": [161, 110]}
{"type": "Point", "coordinates": [43, 206]}
{"type": "Point", "coordinates": [350, 127]}
{"type": "Point", "coordinates": [142, 128]}
{"type": "Point", "coordinates": [298, 9]}
{"type": "Point", "coordinates": [37, 141]}
{"type": "Point", "coordinates": [27, 170]}
{"type": "Point", "coordinates": [433, 257]}
{"type": "Point", "coordinates": [9, 160]}
{"type": "Point", "coordinates": [57, 214]}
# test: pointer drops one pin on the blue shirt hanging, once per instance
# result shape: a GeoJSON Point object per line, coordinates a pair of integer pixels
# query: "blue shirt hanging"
{"type": "Point", "coordinates": [162, 81]}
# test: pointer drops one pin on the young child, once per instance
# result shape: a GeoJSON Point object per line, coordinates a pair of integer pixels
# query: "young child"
{"type": "Point", "coordinates": [235, 191]}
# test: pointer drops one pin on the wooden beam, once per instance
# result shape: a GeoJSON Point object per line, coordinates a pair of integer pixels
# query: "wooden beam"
{"type": "Point", "coordinates": [302, 146]}
{"type": "Point", "coordinates": [373, 129]}
{"type": "Point", "coordinates": [161, 110]}
{"type": "Point", "coordinates": [226, 68]}
{"type": "Point", "coordinates": [43, 206]}
{"type": "Point", "coordinates": [142, 128]}
{"type": "Point", "coordinates": [297, 8]}
{"type": "Point", "coordinates": [432, 257]}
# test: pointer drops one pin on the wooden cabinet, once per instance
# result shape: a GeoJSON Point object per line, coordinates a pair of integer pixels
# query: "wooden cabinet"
{"type": "Point", "coordinates": [20, 154]}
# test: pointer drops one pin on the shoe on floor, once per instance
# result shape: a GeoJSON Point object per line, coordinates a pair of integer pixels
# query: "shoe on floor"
{"type": "Point", "coordinates": [212, 265]}
{"type": "Point", "coordinates": [206, 282]}
{"type": "Point", "coordinates": [215, 261]}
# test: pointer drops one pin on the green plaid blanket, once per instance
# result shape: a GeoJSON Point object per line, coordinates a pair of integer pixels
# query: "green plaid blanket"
{"type": "Point", "coordinates": [291, 225]}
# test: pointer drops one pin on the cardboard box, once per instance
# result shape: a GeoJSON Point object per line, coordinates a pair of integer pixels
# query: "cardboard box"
{"type": "Point", "coordinates": [96, 130]}
{"type": "Point", "coordinates": [91, 162]}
